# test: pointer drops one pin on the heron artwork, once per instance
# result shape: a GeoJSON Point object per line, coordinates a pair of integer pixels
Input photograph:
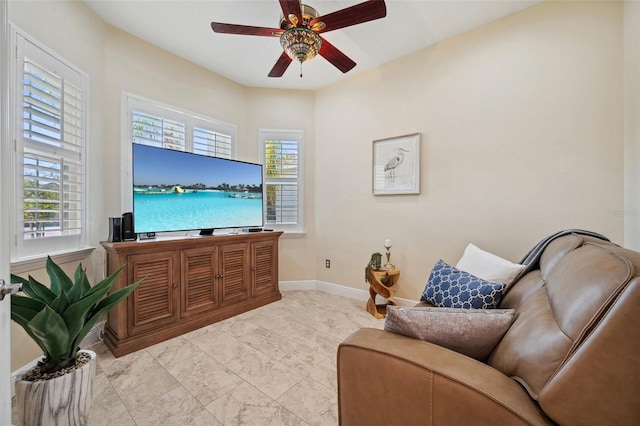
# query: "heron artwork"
{"type": "Point", "coordinates": [394, 162]}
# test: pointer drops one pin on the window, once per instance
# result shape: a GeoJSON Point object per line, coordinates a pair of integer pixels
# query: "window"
{"type": "Point", "coordinates": [282, 159]}
{"type": "Point", "coordinates": [51, 127]}
{"type": "Point", "coordinates": [152, 123]}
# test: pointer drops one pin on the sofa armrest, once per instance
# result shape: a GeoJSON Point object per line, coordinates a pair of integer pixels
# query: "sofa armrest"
{"type": "Point", "coordinates": [390, 379]}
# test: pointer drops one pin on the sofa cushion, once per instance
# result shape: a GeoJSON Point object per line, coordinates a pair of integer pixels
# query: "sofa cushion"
{"type": "Point", "coordinates": [450, 287]}
{"type": "Point", "coordinates": [487, 265]}
{"type": "Point", "coordinates": [472, 332]}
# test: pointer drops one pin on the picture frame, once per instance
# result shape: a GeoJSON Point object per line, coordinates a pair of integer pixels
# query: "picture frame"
{"type": "Point", "coordinates": [396, 165]}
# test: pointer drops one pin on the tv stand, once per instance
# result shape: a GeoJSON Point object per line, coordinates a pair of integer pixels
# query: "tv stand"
{"type": "Point", "coordinates": [188, 283]}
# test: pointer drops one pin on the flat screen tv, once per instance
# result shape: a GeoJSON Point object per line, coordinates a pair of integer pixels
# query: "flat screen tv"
{"type": "Point", "coordinates": [181, 191]}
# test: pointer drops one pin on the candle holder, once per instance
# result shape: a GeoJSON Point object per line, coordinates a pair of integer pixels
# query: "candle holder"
{"type": "Point", "coordinates": [388, 265]}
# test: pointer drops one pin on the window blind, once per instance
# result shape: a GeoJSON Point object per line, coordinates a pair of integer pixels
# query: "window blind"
{"type": "Point", "coordinates": [209, 142]}
{"type": "Point", "coordinates": [281, 181]}
{"type": "Point", "coordinates": [169, 128]}
{"type": "Point", "coordinates": [158, 131]}
{"type": "Point", "coordinates": [53, 138]}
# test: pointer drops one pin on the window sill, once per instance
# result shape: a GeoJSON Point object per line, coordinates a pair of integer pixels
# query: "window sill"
{"type": "Point", "coordinates": [290, 235]}
{"type": "Point", "coordinates": [39, 262]}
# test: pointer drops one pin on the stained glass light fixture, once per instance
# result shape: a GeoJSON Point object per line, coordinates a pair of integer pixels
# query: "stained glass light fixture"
{"type": "Point", "coordinates": [301, 43]}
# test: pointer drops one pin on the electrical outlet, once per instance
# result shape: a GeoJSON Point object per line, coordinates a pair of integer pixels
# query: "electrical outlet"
{"type": "Point", "coordinates": [327, 263]}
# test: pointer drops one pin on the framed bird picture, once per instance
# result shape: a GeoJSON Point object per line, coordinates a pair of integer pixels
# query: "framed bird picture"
{"type": "Point", "coordinates": [396, 165]}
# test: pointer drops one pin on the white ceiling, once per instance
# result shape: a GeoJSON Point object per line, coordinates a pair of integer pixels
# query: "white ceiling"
{"type": "Point", "coordinates": [183, 28]}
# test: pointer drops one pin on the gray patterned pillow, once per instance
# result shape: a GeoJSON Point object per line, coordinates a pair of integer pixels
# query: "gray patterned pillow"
{"type": "Point", "coordinates": [472, 332]}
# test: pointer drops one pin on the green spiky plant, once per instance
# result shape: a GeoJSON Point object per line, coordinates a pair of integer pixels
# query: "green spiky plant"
{"type": "Point", "coordinates": [58, 317]}
{"type": "Point", "coordinates": [375, 263]}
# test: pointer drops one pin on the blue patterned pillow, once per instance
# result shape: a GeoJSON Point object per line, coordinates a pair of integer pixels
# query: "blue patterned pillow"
{"type": "Point", "coordinates": [449, 287]}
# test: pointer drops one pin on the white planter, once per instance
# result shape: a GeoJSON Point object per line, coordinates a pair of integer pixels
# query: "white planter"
{"type": "Point", "coordinates": [64, 400]}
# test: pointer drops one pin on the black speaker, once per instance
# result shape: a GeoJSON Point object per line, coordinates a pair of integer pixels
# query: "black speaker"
{"type": "Point", "coordinates": [115, 229]}
{"type": "Point", "coordinates": [128, 233]}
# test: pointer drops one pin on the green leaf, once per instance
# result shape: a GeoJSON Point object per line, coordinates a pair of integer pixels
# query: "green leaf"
{"type": "Point", "coordinates": [80, 285]}
{"type": "Point", "coordinates": [103, 307]}
{"type": "Point", "coordinates": [59, 279]}
{"type": "Point", "coordinates": [76, 315]}
{"type": "Point", "coordinates": [107, 282]}
{"type": "Point", "coordinates": [23, 322]}
{"type": "Point", "coordinates": [38, 291]}
{"type": "Point", "coordinates": [26, 304]}
{"type": "Point", "coordinates": [15, 279]}
{"type": "Point", "coordinates": [51, 330]}
{"type": "Point", "coordinates": [86, 285]}
{"type": "Point", "coordinates": [61, 303]}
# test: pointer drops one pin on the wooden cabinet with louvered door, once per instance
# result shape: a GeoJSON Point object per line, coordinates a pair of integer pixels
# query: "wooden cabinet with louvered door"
{"type": "Point", "coordinates": [155, 302]}
{"type": "Point", "coordinates": [264, 267]}
{"type": "Point", "coordinates": [233, 264]}
{"type": "Point", "coordinates": [199, 290]}
{"type": "Point", "coordinates": [189, 283]}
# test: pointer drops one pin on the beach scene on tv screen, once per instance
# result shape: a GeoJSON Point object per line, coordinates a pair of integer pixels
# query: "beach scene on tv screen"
{"type": "Point", "coordinates": [175, 191]}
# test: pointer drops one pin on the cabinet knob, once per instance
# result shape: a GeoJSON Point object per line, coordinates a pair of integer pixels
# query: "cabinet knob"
{"type": "Point", "coordinates": [175, 285]}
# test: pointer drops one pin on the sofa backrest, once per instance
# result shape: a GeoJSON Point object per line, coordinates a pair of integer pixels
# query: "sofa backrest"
{"type": "Point", "coordinates": [575, 342]}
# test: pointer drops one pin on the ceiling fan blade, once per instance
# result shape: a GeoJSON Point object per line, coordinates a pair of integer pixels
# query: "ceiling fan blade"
{"type": "Point", "coordinates": [281, 65]}
{"type": "Point", "coordinates": [357, 14]}
{"type": "Point", "coordinates": [219, 27]}
{"type": "Point", "coordinates": [291, 7]}
{"type": "Point", "coordinates": [336, 57]}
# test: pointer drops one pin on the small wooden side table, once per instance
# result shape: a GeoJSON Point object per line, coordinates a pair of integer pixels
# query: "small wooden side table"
{"type": "Point", "coordinates": [381, 283]}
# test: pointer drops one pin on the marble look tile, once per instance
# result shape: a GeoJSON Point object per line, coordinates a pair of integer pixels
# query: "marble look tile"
{"type": "Point", "coordinates": [220, 345]}
{"type": "Point", "coordinates": [107, 408]}
{"type": "Point", "coordinates": [313, 402]}
{"type": "Point", "coordinates": [292, 329]}
{"type": "Point", "coordinates": [328, 345]}
{"type": "Point", "coordinates": [268, 375]}
{"type": "Point", "coordinates": [139, 378]}
{"type": "Point", "coordinates": [239, 325]}
{"type": "Point", "coordinates": [201, 375]}
{"type": "Point", "coordinates": [98, 369]}
{"type": "Point", "coordinates": [173, 351]}
{"type": "Point", "coordinates": [288, 378]}
{"type": "Point", "coordinates": [246, 405]}
{"type": "Point", "coordinates": [305, 360]}
{"type": "Point", "coordinates": [177, 407]}
{"type": "Point", "coordinates": [268, 342]}
{"type": "Point", "coordinates": [326, 373]}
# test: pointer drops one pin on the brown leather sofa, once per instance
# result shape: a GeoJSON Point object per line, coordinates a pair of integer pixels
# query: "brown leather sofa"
{"type": "Point", "coordinates": [571, 356]}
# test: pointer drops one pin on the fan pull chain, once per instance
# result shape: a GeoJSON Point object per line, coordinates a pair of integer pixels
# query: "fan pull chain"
{"type": "Point", "coordinates": [300, 69]}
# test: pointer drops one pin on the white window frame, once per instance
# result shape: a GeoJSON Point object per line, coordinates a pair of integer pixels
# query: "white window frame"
{"type": "Point", "coordinates": [131, 102]}
{"type": "Point", "coordinates": [27, 251]}
{"type": "Point", "coordinates": [289, 135]}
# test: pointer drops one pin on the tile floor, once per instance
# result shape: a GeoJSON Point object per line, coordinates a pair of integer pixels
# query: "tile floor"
{"type": "Point", "coordinates": [275, 365]}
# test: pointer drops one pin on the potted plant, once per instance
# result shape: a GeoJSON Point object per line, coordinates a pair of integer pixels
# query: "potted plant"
{"type": "Point", "coordinates": [59, 389]}
{"type": "Point", "coordinates": [374, 263]}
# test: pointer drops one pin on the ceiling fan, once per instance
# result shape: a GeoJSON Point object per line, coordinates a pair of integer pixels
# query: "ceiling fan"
{"type": "Point", "coordinates": [300, 29]}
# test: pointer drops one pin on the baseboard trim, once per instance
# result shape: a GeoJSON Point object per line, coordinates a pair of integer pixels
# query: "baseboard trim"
{"type": "Point", "coordinates": [336, 289]}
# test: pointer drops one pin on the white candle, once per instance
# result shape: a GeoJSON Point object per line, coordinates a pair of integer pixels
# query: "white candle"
{"type": "Point", "coordinates": [387, 243]}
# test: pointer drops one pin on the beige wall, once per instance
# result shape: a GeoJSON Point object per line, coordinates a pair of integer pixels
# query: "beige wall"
{"type": "Point", "coordinates": [631, 210]}
{"type": "Point", "coordinates": [521, 124]}
{"type": "Point", "coordinates": [137, 67]}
